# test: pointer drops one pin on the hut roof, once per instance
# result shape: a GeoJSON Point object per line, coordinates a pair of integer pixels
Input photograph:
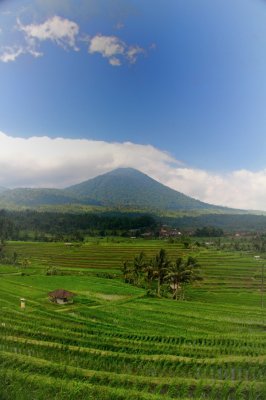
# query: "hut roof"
{"type": "Point", "coordinates": [61, 294]}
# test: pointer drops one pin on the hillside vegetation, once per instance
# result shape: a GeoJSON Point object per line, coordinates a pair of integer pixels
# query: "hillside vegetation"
{"type": "Point", "coordinates": [49, 226]}
{"type": "Point", "coordinates": [128, 187]}
{"type": "Point", "coordinates": [25, 197]}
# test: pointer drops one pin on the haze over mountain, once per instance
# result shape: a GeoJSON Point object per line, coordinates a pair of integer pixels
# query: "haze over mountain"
{"type": "Point", "coordinates": [3, 189]}
{"type": "Point", "coordinates": [124, 188]}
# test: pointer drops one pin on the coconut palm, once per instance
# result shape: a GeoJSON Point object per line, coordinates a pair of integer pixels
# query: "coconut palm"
{"type": "Point", "coordinates": [181, 273]}
{"type": "Point", "coordinates": [161, 264]}
{"type": "Point", "coordinates": [139, 265]}
{"type": "Point", "coordinates": [127, 271]}
{"type": "Point", "coordinates": [149, 273]}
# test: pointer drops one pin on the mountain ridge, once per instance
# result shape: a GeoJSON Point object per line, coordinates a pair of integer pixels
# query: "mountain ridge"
{"type": "Point", "coordinates": [125, 188]}
{"type": "Point", "coordinates": [129, 187]}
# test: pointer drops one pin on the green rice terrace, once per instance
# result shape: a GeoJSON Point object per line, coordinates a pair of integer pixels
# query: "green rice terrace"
{"type": "Point", "coordinates": [115, 342]}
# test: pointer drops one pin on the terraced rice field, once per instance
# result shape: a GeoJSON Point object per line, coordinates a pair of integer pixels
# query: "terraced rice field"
{"type": "Point", "coordinates": [115, 343]}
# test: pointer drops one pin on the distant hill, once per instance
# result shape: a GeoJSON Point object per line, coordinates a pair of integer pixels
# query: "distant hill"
{"type": "Point", "coordinates": [123, 188]}
{"type": "Point", "coordinates": [130, 188]}
{"type": "Point", "coordinates": [24, 197]}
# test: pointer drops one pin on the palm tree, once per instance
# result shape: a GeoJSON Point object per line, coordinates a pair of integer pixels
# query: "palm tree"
{"type": "Point", "coordinates": [139, 264]}
{"type": "Point", "coordinates": [182, 272]}
{"type": "Point", "coordinates": [149, 273]}
{"type": "Point", "coordinates": [161, 264]}
{"type": "Point", "coordinates": [127, 271]}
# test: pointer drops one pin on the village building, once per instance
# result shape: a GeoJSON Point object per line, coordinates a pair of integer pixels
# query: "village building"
{"type": "Point", "coordinates": [61, 296]}
{"type": "Point", "coordinates": [166, 232]}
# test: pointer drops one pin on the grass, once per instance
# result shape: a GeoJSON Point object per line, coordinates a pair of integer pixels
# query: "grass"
{"type": "Point", "coordinates": [116, 343]}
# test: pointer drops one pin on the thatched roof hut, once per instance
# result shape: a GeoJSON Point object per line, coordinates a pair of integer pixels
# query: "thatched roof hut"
{"type": "Point", "coordinates": [61, 296]}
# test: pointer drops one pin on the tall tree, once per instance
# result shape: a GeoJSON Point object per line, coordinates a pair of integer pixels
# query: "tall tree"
{"type": "Point", "coordinates": [182, 272]}
{"type": "Point", "coordinates": [2, 249]}
{"type": "Point", "coordinates": [127, 271]}
{"type": "Point", "coordinates": [139, 264]}
{"type": "Point", "coordinates": [149, 274]}
{"type": "Point", "coordinates": [161, 264]}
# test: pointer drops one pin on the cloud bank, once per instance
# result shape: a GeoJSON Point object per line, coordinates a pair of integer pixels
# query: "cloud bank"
{"type": "Point", "coordinates": [60, 162]}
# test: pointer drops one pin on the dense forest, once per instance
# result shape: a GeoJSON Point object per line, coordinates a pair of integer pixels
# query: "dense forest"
{"type": "Point", "coordinates": [227, 222]}
{"type": "Point", "coordinates": [25, 225]}
{"type": "Point", "coordinates": [34, 225]}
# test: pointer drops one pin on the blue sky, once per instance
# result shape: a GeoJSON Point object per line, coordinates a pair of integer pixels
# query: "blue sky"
{"type": "Point", "coordinates": [185, 77]}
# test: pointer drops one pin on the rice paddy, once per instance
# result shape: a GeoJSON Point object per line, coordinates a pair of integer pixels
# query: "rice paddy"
{"type": "Point", "coordinates": [114, 342]}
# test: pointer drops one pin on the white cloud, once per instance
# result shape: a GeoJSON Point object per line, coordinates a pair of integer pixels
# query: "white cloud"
{"type": "Point", "coordinates": [42, 161]}
{"type": "Point", "coordinates": [239, 189]}
{"type": "Point", "coordinates": [10, 53]}
{"type": "Point", "coordinates": [59, 30]}
{"type": "Point", "coordinates": [133, 52]}
{"type": "Point", "coordinates": [46, 162]}
{"type": "Point", "coordinates": [114, 49]}
{"type": "Point", "coordinates": [65, 33]}
{"type": "Point", "coordinates": [115, 62]}
{"type": "Point", "coordinates": [107, 46]}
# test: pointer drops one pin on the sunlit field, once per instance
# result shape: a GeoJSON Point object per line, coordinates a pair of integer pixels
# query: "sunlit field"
{"type": "Point", "coordinates": [114, 342]}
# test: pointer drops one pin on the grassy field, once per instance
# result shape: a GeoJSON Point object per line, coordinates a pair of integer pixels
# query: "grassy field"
{"type": "Point", "coordinates": [116, 343]}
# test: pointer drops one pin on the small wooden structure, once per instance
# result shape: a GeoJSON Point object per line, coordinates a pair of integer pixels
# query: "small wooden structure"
{"type": "Point", "coordinates": [61, 296]}
{"type": "Point", "coordinates": [22, 303]}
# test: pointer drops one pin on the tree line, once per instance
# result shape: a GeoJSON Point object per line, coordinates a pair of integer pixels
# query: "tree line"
{"type": "Point", "coordinates": [161, 275]}
{"type": "Point", "coordinates": [34, 225]}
